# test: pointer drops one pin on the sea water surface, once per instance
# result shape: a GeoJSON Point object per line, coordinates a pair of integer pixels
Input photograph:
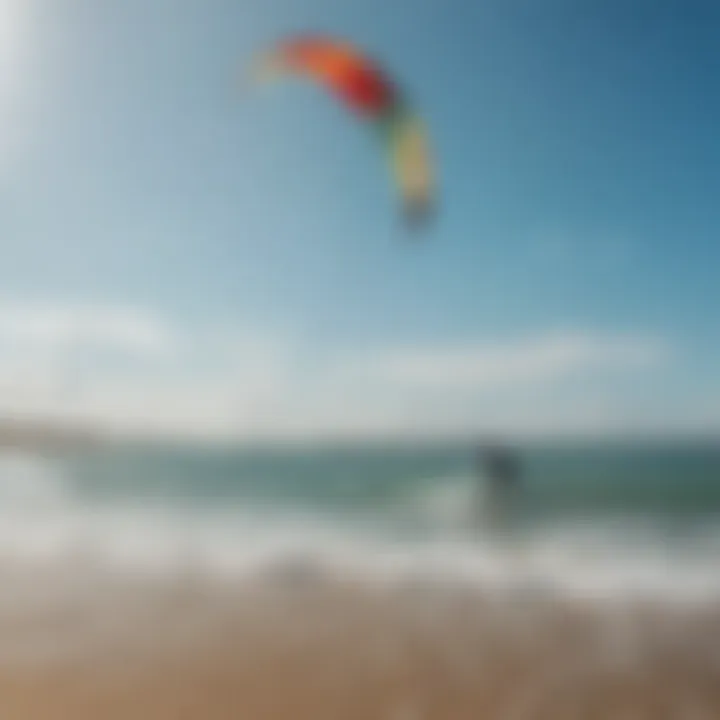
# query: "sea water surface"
{"type": "Point", "coordinates": [597, 519]}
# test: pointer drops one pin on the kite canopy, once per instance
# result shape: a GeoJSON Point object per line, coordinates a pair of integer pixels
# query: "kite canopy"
{"type": "Point", "coordinates": [366, 91]}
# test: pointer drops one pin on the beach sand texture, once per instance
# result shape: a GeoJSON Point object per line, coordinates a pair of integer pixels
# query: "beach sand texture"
{"type": "Point", "coordinates": [349, 651]}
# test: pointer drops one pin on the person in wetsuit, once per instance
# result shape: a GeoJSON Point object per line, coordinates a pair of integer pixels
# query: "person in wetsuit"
{"type": "Point", "coordinates": [498, 469]}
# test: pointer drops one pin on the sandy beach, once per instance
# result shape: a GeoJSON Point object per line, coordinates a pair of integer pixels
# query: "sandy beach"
{"type": "Point", "coordinates": [345, 649]}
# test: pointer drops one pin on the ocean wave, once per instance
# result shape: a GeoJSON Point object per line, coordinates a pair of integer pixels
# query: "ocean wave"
{"type": "Point", "coordinates": [426, 537]}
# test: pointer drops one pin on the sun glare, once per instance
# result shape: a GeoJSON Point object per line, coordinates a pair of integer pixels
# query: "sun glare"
{"type": "Point", "coordinates": [14, 17]}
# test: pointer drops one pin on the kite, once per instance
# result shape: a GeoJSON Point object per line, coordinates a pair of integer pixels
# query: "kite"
{"type": "Point", "coordinates": [368, 93]}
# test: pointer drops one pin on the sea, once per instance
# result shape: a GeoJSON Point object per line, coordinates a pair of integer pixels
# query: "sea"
{"type": "Point", "coordinates": [599, 519]}
{"type": "Point", "coordinates": [605, 560]}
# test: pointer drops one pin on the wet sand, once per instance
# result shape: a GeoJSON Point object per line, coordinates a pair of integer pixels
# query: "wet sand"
{"type": "Point", "coordinates": [347, 650]}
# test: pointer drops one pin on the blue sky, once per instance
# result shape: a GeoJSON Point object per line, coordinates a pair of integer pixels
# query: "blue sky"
{"type": "Point", "coordinates": [577, 153]}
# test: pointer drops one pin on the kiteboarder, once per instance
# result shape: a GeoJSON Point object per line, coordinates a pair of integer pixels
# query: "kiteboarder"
{"type": "Point", "coordinates": [499, 472]}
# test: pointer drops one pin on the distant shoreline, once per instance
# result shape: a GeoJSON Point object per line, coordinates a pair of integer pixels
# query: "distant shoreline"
{"type": "Point", "coordinates": [39, 436]}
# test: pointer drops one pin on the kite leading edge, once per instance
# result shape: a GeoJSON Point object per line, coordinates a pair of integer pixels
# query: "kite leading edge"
{"type": "Point", "coordinates": [369, 94]}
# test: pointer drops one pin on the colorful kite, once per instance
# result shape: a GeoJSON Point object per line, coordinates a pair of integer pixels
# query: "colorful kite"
{"type": "Point", "coordinates": [369, 93]}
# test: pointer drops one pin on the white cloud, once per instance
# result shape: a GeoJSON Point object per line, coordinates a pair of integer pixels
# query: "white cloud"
{"type": "Point", "coordinates": [545, 358]}
{"type": "Point", "coordinates": [52, 327]}
{"type": "Point", "coordinates": [130, 370]}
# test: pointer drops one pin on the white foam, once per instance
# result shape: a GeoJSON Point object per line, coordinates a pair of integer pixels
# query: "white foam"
{"type": "Point", "coordinates": [27, 481]}
{"type": "Point", "coordinates": [45, 529]}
